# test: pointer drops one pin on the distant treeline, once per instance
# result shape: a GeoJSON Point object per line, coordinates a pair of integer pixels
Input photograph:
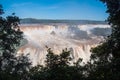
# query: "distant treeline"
{"type": "Point", "coordinates": [48, 21]}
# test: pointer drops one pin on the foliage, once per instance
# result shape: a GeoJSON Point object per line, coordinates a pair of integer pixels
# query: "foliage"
{"type": "Point", "coordinates": [105, 60]}
{"type": "Point", "coordinates": [11, 67]}
{"type": "Point", "coordinates": [58, 67]}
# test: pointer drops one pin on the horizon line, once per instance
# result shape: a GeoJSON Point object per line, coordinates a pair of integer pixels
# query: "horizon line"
{"type": "Point", "coordinates": [64, 19]}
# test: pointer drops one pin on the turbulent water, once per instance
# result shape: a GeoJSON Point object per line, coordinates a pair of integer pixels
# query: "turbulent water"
{"type": "Point", "coordinates": [79, 39]}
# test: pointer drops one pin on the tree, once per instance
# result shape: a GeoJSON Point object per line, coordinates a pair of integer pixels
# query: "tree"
{"type": "Point", "coordinates": [57, 67]}
{"type": "Point", "coordinates": [105, 60]}
{"type": "Point", "coordinates": [11, 67]}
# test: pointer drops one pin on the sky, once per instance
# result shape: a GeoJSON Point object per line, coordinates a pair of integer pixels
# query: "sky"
{"type": "Point", "coordinates": [56, 9]}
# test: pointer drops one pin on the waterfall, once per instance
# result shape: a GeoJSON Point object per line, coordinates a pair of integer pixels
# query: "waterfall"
{"type": "Point", "coordinates": [79, 39]}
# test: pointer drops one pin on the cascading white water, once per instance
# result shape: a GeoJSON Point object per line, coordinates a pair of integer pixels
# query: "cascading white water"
{"type": "Point", "coordinates": [79, 39]}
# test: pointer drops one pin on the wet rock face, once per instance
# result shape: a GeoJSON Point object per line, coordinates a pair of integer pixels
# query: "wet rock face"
{"type": "Point", "coordinates": [77, 38]}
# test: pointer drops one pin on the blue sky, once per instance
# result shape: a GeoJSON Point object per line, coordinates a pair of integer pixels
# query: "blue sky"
{"type": "Point", "coordinates": [56, 9]}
